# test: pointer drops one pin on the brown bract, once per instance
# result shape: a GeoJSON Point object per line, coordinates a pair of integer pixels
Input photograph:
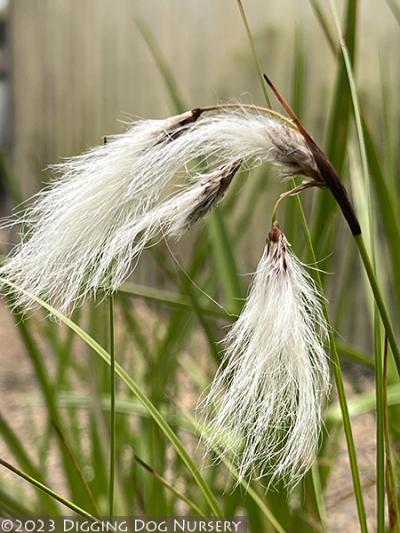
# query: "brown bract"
{"type": "Point", "coordinates": [327, 171]}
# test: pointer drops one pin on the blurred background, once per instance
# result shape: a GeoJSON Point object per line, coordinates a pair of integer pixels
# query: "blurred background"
{"type": "Point", "coordinates": [72, 72]}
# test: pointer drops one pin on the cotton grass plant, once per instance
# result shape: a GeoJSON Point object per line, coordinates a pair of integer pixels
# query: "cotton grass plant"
{"type": "Point", "coordinates": [108, 204]}
{"type": "Point", "coordinates": [106, 207]}
{"type": "Point", "coordinates": [83, 237]}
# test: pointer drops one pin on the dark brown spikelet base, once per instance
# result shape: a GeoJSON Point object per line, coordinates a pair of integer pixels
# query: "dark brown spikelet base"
{"type": "Point", "coordinates": [214, 188]}
{"type": "Point", "coordinates": [276, 242]}
{"type": "Point", "coordinates": [181, 125]}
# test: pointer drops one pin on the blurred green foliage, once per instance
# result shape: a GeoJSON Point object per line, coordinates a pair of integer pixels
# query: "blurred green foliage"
{"type": "Point", "coordinates": [167, 341]}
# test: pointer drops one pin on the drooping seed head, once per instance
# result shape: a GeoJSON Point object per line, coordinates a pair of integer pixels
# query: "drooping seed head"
{"type": "Point", "coordinates": [264, 407]}
{"type": "Point", "coordinates": [86, 231]}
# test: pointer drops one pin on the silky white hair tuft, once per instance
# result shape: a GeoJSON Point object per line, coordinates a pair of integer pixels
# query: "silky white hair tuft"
{"type": "Point", "coordinates": [86, 230]}
{"type": "Point", "coordinates": [263, 409]}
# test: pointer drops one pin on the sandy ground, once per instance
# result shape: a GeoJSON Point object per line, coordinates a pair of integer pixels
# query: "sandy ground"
{"type": "Point", "coordinates": [17, 381]}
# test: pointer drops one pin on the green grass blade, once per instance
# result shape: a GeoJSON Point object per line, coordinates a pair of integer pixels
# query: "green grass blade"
{"type": "Point", "coordinates": [170, 487]}
{"type": "Point", "coordinates": [224, 261]}
{"type": "Point", "coordinates": [47, 490]}
{"type": "Point", "coordinates": [324, 23]}
{"type": "Point", "coordinates": [390, 475]}
{"type": "Point", "coordinates": [134, 387]}
{"type": "Point", "coordinates": [162, 66]}
{"type": "Point", "coordinates": [21, 455]}
{"type": "Point", "coordinates": [254, 52]}
{"type": "Point", "coordinates": [395, 9]}
{"type": "Point", "coordinates": [380, 427]}
{"type": "Point", "coordinates": [112, 407]}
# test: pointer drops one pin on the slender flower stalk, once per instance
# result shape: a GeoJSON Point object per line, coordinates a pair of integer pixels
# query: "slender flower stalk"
{"type": "Point", "coordinates": [87, 230]}
{"type": "Point", "coordinates": [264, 406]}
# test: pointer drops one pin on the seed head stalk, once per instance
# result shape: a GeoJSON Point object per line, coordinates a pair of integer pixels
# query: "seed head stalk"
{"type": "Point", "coordinates": [112, 406]}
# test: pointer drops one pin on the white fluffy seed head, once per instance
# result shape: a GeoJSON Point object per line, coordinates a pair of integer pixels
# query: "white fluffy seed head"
{"type": "Point", "coordinates": [263, 409]}
{"type": "Point", "coordinates": [87, 230]}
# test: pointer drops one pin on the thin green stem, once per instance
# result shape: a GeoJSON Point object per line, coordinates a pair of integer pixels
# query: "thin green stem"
{"type": "Point", "coordinates": [111, 490]}
{"type": "Point", "coordinates": [380, 428]}
{"type": "Point", "coordinates": [393, 510]}
{"type": "Point", "coordinates": [112, 407]}
{"type": "Point", "coordinates": [254, 52]}
{"type": "Point", "coordinates": [319, 495]}
{"type": "Point", "coordinates": [379, 299]}
{"type": "Point", "coordinates": [47, 490]}
{"type": "Point", "coordinates": [339, 384]}
{"type": "Point", "coordinates": [170, 487]}
{"type": "Point", "coordinates": [77, 468]}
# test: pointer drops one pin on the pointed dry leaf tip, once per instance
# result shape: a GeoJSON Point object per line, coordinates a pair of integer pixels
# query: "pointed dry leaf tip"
{"type": "Point", "coordinates": [326, 172]}
{"type": "Point", "coordinates": [264, 407]}
{"type": "Point", "coordinates": [86, 231]}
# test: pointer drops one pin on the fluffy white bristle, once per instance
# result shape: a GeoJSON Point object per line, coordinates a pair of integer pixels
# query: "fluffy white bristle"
{"type": "Point", "coordinates": [264, 407]}
{"type": "Point", "coordinates": [87, 230]}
